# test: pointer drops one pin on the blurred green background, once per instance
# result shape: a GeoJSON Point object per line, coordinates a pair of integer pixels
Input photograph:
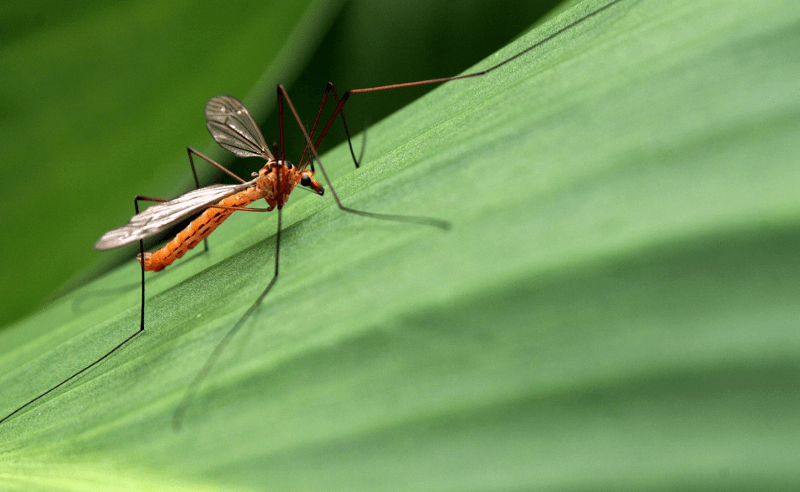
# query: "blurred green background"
{"type": "Point", "coordinates": [98, 102]}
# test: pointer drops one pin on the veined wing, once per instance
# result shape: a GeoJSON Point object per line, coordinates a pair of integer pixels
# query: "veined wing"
{"type": "Point", "coordinates": [162, 215]}
{"type": "Point", "coordinates": [233, 128]}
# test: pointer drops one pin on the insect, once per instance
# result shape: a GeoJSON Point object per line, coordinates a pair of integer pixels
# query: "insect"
{"type": "Point", "coordinates": [233, 128]}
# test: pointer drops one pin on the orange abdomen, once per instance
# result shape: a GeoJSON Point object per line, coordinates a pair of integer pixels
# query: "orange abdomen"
{"type": "Point", "coordinates": [195, 232]}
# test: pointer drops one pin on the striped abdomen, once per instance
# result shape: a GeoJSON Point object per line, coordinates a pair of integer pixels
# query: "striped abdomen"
{"type": "Point", "coordinates": [197, 230]}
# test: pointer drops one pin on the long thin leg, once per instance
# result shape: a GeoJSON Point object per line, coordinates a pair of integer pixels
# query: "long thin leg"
{"type": "Point", "coordinates": [346, 95]}
{"type": "Point", "coordinates": [443, 224]}
{"type": "Point", "coordinates": [136, 201]}
{"type": "Point", "coordinates": [190, 151]}
{"type": "Point", "coordinates": [191, 391]}
{"type": "Point", "coordinates": [328, 89]}
{"type": "Point", "coordinates": [280, 129]}
{"type": "Point", "coordinates": [211, 161]}
{"type": "Point", "coordinates": [118, 346]}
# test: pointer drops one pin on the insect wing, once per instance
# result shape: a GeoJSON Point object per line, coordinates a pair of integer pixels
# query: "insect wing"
{"type": "Point", "coordinates": [162, 215]}
{"type": "Point", "coordinates": [233, 128]}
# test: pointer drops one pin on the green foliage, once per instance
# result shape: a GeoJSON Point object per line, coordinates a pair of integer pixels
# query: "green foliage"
{"type": "Point", "coordinates": [614, 308]}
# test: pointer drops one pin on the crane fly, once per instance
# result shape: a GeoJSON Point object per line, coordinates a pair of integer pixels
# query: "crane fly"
{"type": "Point", "coordinates": [234, 129]}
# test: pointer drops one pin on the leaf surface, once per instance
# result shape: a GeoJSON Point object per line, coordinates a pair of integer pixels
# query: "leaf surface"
{"type": "Point", "coordinates": [614, 308]}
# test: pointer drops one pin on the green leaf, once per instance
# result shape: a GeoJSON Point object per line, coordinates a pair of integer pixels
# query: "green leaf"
{"type": "Point", "coordinates": [615, 306]}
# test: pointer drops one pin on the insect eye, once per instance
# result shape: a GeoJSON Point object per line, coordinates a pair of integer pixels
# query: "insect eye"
{"type": "Point", "coordinates": [305, 180]}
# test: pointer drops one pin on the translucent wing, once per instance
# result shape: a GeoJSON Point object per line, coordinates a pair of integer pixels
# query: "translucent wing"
{"type": "Point", "coordinates": [233, 128]}
{"type": "Point", "coordinates": [162, 215]}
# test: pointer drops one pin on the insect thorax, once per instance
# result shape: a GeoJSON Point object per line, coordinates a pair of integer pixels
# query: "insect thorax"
{"type": "Point", "coordinates": [276, 180]}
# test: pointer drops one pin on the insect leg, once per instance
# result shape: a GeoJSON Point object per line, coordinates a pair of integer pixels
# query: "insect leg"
{"type": "Point", "coordinates": [346, 95]}
{"type": "Point", "coordinates": [136, 201]}
{"type": "Point", "coordinates": [190, 151]}
{"type": "Point", "coordinates": [328, 89]}
{"type": "Point", "coordinates": [442, 224]}
{"type": "Point", "coordinates": [191, 391]}
{"type": "Point", "coordinates": [120, 345]}
{"type": "Point", "coordinates": [211, 161]}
